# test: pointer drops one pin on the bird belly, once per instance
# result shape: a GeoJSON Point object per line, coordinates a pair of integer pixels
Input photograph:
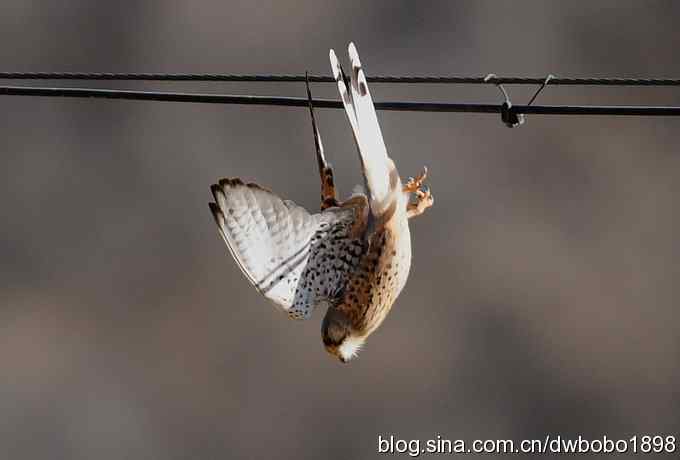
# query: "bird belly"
{"type": "Point", "coordinates": [379, 278]}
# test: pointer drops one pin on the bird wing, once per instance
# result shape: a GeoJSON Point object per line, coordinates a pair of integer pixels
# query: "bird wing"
{"type": "Point", "coordinates": [294, 258]}
{"type": "Point", "coordinates": [377, 167]}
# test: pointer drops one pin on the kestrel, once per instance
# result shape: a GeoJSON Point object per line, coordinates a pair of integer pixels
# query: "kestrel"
{"type": "Point", "coordinates": [354, 256]}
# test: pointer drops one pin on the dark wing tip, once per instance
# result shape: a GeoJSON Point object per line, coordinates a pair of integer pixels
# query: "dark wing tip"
{"type": "Point", "coordinates": [255, 186]}
{"type": "Point", "coordinates": [229, 181]}
{"type": "Point", "coordinates": [216, 213]}
{"type": "Point", "coordinates": [216, 191]}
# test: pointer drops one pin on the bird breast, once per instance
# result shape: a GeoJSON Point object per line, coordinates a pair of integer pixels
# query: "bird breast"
{"type": "Point", "coordinates": [380, 276]}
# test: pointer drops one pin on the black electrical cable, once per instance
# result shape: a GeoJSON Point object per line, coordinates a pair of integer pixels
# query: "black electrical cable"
{"type": "Point", "coordinates": [328, 103]}
{"type": "Point", "coordinates": [587, 81]}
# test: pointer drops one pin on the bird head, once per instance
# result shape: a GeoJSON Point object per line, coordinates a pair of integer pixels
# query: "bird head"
{"type": "Point", "coordinates": [338, 336]}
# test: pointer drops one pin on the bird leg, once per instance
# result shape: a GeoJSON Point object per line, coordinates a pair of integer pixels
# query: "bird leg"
{"type": "Point", "coordinates": [424, 198]}
{"type": "Point", "coordinates": [328, 193]}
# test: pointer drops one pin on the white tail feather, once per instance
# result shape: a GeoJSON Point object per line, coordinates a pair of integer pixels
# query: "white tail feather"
{"type": "Point", "coordinates": [373, 151]}
{"type": "Point", "coordinates": [376, 164]}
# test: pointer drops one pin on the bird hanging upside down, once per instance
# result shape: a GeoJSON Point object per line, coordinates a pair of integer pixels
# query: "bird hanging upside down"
{"type": "Point", "coordinates": [354, 256]}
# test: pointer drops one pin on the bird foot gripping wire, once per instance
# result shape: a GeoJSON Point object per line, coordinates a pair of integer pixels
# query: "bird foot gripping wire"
{"type": "Point", "coordinates": [509, 116]}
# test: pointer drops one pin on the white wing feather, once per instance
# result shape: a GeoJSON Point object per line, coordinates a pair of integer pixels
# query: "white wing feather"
{"type": "Point", "coordinates": [277, 245]}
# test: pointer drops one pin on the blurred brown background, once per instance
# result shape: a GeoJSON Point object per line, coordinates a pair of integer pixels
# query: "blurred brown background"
{"type": "Point", "coordinates": [543, 296]}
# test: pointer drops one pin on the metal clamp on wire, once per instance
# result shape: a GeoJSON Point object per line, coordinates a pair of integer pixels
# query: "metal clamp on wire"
{"type": "Point", "coordinates": [511, 118]}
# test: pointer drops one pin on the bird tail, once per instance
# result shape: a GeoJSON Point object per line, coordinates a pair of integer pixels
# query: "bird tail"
{"type": "Point", "coordinates": [380, 175]}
